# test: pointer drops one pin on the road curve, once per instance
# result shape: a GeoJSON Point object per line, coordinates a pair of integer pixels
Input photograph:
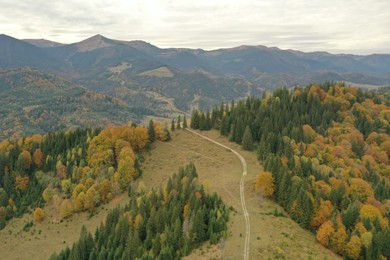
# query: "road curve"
{"type": "Point", "coordinates": [242, 191]}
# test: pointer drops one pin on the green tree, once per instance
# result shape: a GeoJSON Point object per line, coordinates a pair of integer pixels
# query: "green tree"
{"type": "Point", "coordinates": [195, 119]}
{"type": "Point", "coordinates": [247, 140]}
{"type": "Point", "coordinates": [173, 125]}
{"type": "Point", "coordinates": [178, 126]}
{"type": "Point", "coordinates": [151, 132]}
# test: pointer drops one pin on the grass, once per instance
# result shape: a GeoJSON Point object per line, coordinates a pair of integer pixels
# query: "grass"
{"type": "Point", "coordinates": [220, 171]}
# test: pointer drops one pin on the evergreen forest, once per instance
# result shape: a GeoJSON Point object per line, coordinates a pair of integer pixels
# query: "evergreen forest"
{"type": "Point", "coordinates": [163, 224]}
{"type": "Point", "coordinates": [325, 151]}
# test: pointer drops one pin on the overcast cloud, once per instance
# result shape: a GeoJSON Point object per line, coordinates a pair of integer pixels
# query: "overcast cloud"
{"type": "Point", "coordinates": [337, 26]}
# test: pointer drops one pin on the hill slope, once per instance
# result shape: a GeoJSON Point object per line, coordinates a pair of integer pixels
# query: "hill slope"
{"type": "Point", "coordinates": [34, 102]}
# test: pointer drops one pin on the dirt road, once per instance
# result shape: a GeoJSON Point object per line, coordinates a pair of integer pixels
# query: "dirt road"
{"type": "Point", "coordinates": [242, 191]}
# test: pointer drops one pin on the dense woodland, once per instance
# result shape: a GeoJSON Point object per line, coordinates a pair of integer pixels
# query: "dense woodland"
{"type": "Point", "coordinates": [163, 224]}
{"type": "Point", "coordinates": [325, 150]}
{"type": "Point", "coordinates": [72, 171]}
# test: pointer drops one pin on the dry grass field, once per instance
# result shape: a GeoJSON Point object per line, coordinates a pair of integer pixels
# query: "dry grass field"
{"type": "Point", "coordinates": [220, 170]}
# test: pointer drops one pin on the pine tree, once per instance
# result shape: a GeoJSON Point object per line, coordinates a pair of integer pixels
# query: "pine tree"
{"type": "Point", "coordinates": [184, 122]}
{"type": "Point", "coordinates": [247, 140]}
{"type": "Point", "coordinates": [195, 119]}
{"type": "Point", "coordinates": [151, 131]}
{"type": "Point", "coordinates": [173, 125]}
{"type": "Point", "coordinates": [178, 122]}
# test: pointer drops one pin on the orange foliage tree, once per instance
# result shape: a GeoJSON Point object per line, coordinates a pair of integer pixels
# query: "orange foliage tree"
{"type": "Point", "coordinates": [38, 158]}
{"type": "Point", "coordinates": [325, 233]}
{"type": "Point", "coordinates": [39, 215]}
{"type": "Point", "coordinates": [322, 214]}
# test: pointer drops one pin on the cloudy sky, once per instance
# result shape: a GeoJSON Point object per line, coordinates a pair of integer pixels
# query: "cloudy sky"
{"type": "Point", "coordinates": [337, 26]}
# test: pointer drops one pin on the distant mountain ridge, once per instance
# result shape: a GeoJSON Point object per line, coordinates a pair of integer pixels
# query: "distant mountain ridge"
{"type": "Point", "coordinates": [266, 66]}
{"type": "Point", "coordinates": [165, 82]}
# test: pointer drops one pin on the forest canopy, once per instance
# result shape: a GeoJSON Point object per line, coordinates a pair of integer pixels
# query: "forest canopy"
{"type": "Point", "coordinates": [325, 149]}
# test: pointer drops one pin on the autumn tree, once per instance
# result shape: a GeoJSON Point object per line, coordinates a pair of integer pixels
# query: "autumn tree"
{"type": "Point", "coordinates": [21, 183]}
{"type": "Point", "coordinates": [265, 183]}
{"type": "Point", "coordinates": [79, 202]}
{"type": "Point", "coordinates": [353, 247]}
{"type": "Point", "coordinates": [338, 240]}
{"type": "Point", "coordinates": [324, 233]}
{"type": "Point", "coordinates": [24, 161]}
{"type": "Point", "coordinates": [47, 194]}
{"type": "Point", "coordinates": [38, 158]}
{"type": "Point", "coordinates": [39, 215]}
{"type": "Point", "coordinates": [322, 214]}
{"type": "Point", "coordinates": [66, 208]}
{"type": "Point", "coordinates": [90, 199]}
{"type": "Point", "coordinates": [61, 170]}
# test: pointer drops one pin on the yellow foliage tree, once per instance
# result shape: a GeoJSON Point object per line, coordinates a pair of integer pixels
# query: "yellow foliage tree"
{"type": "Point", "coordinates": [353, 247]}
{"type": "Point", "coordinates": [21, 183]}
{"type": "Point", "coordinates": [24, 160]}
{"type": "Point", "coordinates": [370, 212]}
{"type": "Point", "coordinates": [338, 240]}
{"type": "Point", "coordinates": [265, 183]}
{"type": "Point", "coordinates": [77, 190]}
{"type": "Point", "coordinates": [186, 211]}
{"type": "Point", "coordinates": [66, 208]}
{"type": "Point", "coordinates": [79, 202]}
{"type": "Point", "coordinates": [361, 188]}
{"type": "Point", "coordinates": [66, 186]}
{"type": "Point", "coordinates": [90, 199]}
{"type": "Point", "coordinates": [39, 215]}
{"type": "Point", "coordinates": [138, 220]}
{"type": "Point", "coordinates": [47, 194]}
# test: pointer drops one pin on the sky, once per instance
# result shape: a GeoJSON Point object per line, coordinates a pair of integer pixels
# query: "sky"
{"type": "Point", "coordinates": [336, 26]}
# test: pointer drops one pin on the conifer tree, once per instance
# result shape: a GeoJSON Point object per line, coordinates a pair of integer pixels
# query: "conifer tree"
{"type": "Point", "coordinates": [151, 131]}
{"type": "Point", "coordinates": [178, 122]}
{"type": "Point", "coordinates": [247, 140]}
{"type": "Point", "coordinates": [184, 122]}
{"type": "Point", "coordinates": [173, 125]}
{"type": "Point", "coordinates": [195, 119]}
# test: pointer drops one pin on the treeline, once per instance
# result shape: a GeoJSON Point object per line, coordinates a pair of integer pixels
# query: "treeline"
{"type": "Point", "coordinates": [163, 224]}
{"type": "Point", "coordinates": [327, 150]}
{"type": "Point", "coordinates": [73, 170]}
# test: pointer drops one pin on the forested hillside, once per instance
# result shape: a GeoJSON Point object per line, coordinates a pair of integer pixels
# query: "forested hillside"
{"type": "Point", "coordinates": [73, 170]}
{"type": "Point", "coordinates": [325, 150]}
{"type": "Point", "coordinates": [163, 224]}
{"type": "Point", "coordinates": [36, 102]}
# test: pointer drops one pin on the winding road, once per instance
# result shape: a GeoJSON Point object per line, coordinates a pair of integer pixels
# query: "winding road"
{"type": "Point", "coordinates": [242, 191]}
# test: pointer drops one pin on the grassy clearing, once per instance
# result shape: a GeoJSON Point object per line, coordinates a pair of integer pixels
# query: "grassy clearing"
{"type": "Point", "coordinates": [220, 170]}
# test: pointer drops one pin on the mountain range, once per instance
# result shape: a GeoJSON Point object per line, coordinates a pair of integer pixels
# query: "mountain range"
{"type": "Point", "coordinates": [148, 80]}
